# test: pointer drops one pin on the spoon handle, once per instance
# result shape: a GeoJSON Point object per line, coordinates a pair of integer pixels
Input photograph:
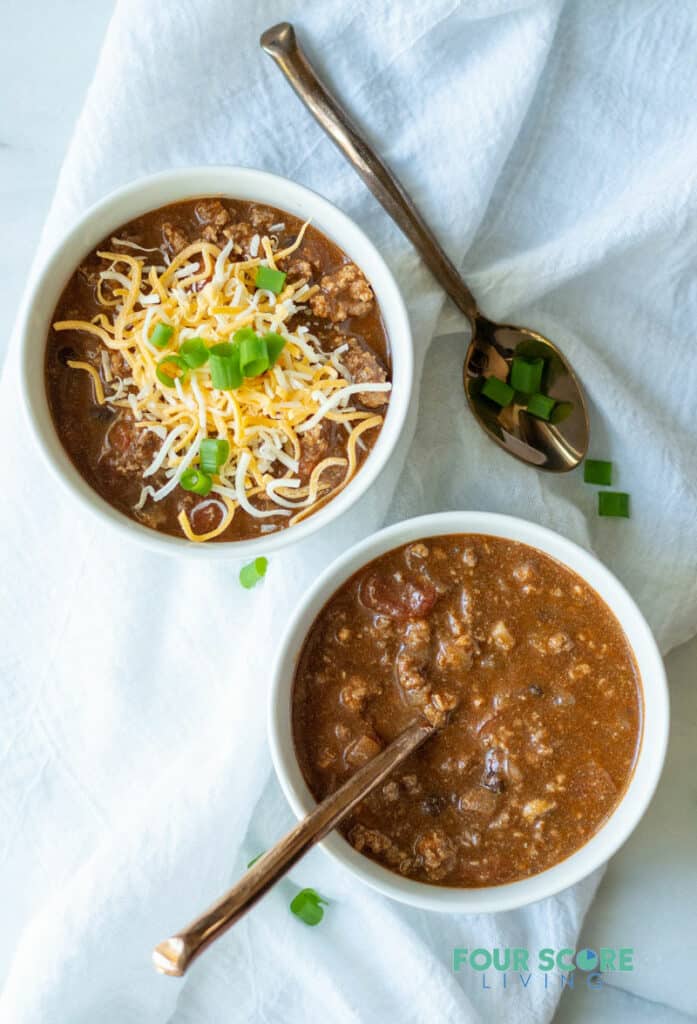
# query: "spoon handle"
{"type": "Point", "coordinates": [175, 954]}
{"type": "Point", "coordinates": [280, 42]}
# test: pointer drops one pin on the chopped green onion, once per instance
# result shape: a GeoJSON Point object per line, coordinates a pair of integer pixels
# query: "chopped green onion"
{"type": "Point", "coordinates": [613, 503]}
{"type": "Point", "coordinates": [596, 471]}
{"type": "Point", "coordinates": [541, 406]}
{"type": "Point", "coordinates": [166, 378]}
{"type": "Point", "coordinates": [307, 906]}
{"type": "Point", "coordinates": [196, 481]}
{"type": "Point", "coordinates": [161, 335]}
{"type": "Point", "coordinates": [194, 352]}
{"type": "Point", "coordinates": [270, 280]}
{"type": "Point", "coordinates": [498, 391]}
{"type": "Point", "coordinates": [213, 454]}
{"type": "Point", "coordinates": [225, 366]}
{"type": "Point", "coordinates": [244, 332]}
{"type": "Point", "coordinates": [254, 358]}
{"type": "Point", "coordinates": [561, 412]}
{"type": "Point", "coordinates": [252, 573]}
{"type": "Point", "coordinates": [255, 859]}
{"type": "Point", "coordinates": [274, 346]}
{"type": "Point", "coordinates": [526, 375]}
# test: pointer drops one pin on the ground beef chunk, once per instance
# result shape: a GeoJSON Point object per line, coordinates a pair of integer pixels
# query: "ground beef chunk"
{"type": "Point", "coordinates": [456, 655]}
{"type": "Point", "coordinates": [390, 791]}
{"type": "Point", "coordinates": [364, 367]}
{"type": "Point", "coordinates": [174, 238]}
{"type": "Point", "coordinates": [413, 660]}
{"type": "Point", "coordinates": [362, 750]}
{"type": "Point", "coordinates": [501, 636]}
{"type": "Point", "coordinates": [298, 271]}
{"type": "Point", "coordinates": [212, 212]}
{"type": "Point", "coordinates": [377, 843]}
{"type": "Point", "coordinates": [437, 853]}
{"type": "Point", "coordinates": [436, 711]}
{"type": "Point", "coordinates": [213, 216]}
{"type": "Point", "coordinates": [129, 449]}
{"type": "Point", "coordinates": [357, 691]}
{"type": "Point", "coordinates": [261, 218]}
{"type": "Point", "coordinates": [314, 446]}
{"type": "Point", "coordinates": [537, 808]}
{"type": "Point", "coordinates": [342, 294]}
{"type": "Point", "coordinates": [411, 785]}
{"type": "Point", "coordinates": [559, 643]}
{"type": "Point", "coordinates": [303, 265]}
{"type": "Point", "coordinates": [243, 232]}
{"type": "Point", "coordinates": [119, 365]}
{"type": "Point", "coordinates": [415, 555]}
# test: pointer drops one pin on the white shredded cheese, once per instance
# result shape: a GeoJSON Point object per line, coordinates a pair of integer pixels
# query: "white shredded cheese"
{"type": "Point", "coordinates": [338, 396]}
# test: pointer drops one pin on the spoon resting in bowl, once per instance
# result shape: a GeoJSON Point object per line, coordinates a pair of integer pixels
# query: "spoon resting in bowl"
{"type": "Point", "coordinates": [558, 443]}
{"type": "Point", "coordinates": [174, 955]}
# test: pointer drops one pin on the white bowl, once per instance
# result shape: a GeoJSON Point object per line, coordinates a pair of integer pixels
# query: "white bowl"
{"type": "Point", "coordinates": [173, 186]}
{"type": "Point", "coordinates": [655, 721]}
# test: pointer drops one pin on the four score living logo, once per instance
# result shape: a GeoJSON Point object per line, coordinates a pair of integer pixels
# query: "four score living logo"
{"type": "Point", "coordinates": [509, 967]}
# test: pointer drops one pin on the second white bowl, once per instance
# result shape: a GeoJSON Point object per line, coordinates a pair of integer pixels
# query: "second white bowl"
{"type": "Point", "coordinates": [649, 762]}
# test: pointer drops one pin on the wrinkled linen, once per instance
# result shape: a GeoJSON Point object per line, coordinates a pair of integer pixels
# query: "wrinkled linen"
{"type": "Point", "coordinates": [552, 147]}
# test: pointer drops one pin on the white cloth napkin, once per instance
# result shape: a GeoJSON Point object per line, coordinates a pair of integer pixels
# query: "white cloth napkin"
{"type": "Point", "coordinates": [552, 146]}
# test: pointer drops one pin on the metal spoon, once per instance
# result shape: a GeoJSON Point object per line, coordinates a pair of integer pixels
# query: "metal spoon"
{"type": "Point", "coordinates": [174, 955]}
{"type": "Point", "coordinates": [558, 445]}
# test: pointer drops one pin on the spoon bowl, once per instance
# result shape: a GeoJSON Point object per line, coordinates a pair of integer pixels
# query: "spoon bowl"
{"type": "Point", "coordinates": [557, 445]}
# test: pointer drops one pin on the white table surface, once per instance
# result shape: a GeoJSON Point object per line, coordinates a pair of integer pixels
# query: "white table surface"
{"type": "Point", "coordinates": [648, 898]}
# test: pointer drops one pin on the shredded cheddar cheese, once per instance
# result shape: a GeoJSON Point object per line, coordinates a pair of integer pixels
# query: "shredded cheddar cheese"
{"type": "Point", "coordinates": [76, 364]}
{"type": "Point", "coordinates": [207, 293]}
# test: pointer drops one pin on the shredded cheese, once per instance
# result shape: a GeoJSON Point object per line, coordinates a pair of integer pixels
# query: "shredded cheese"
{"type": "Point", "coordinates": [200, 538]}
{"type": "Point", "coordinates": [206, 292]}
{"type": "Point", "coordinates": [76, 364]}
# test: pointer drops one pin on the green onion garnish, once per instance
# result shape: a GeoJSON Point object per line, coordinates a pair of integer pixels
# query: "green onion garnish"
{"type": "Point", "coordinates": [255, 859]}
{"type": "Point", "coordinates": [196, 481]}
{"type": "Point", "coordinates": [161, 335]}
{"type": "Point", "coordinates": [269, 279]}
{"type": "Point", "coordinates": [194, 352]}
{"type": "Point", "coordinates": [596, 471]}
{"type": "Point", "coordinates": [175, 363]}
{"type": "Point", "coordinates": [307, 906]}
{"type": "Point", "coordinates": [252, 573]}
{"type": "Point", "coordinates": [526, 375]}
{"type": "Point", "coordinates": [225, 366]}
{"type": "Point", "coordinates": [613, 503]}
{"type": "Point", "coordinates": [213, 454]}
{"type": "Point", "coordinates": [274, 346]}
{"type": "Point", "coordinates": [254, 357]}
{"type": "Point", "coordinates": [498, 391]}
{"type": "Point", "coordinates": [541, 406]}
{"type": "Point", "coordinates": [244, 332]}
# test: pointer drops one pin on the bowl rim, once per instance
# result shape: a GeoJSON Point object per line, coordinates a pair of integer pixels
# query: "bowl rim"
{"type": "Point", "coordinates": [180, 184]}
{"type": "Point", "coordinates": [655, 717]}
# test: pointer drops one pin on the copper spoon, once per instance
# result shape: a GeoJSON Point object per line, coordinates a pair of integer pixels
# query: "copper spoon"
{"type": "Point", "coordinates": [558, 445]}
{"type": "Point", "coordinates": [174, 955]}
